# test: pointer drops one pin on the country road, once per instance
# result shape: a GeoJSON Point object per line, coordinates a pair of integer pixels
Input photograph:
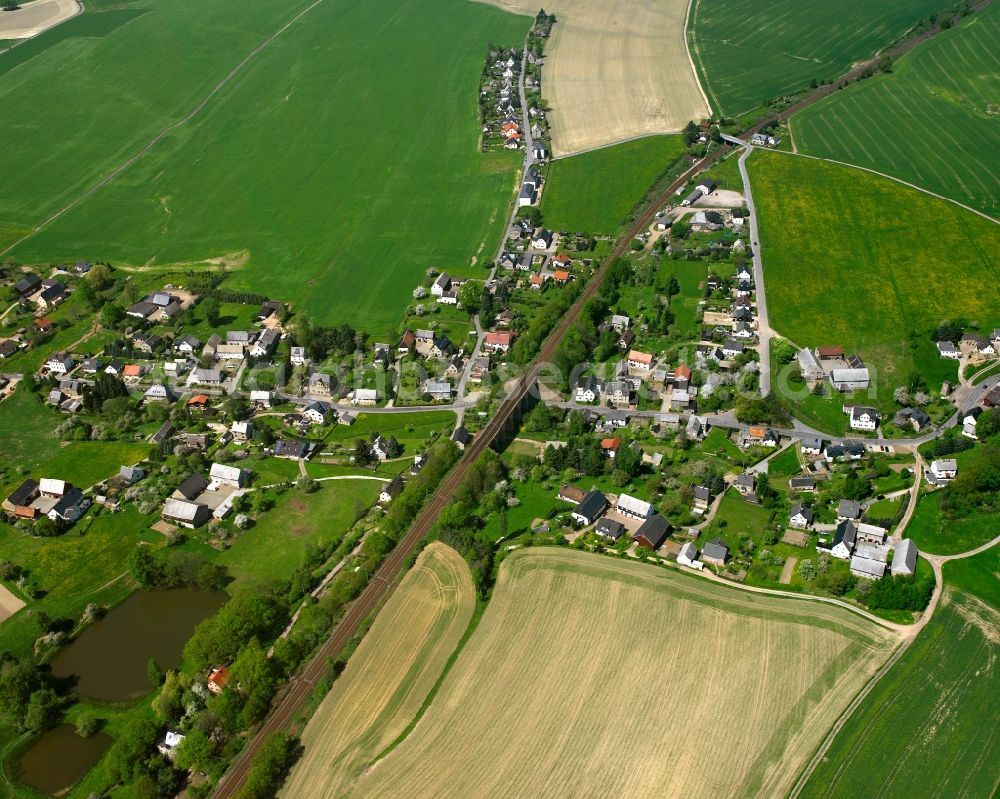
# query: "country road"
{"type": "Point", "coordinates": [764, 331]}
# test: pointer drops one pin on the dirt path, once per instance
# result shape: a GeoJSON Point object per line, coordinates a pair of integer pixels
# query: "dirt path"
{"type": "Point", "coordinates": [9, 603]}
{"type": "Point", "coordinates": [787, 571]}
{"type": "Point", "coordinates": [36, 17]}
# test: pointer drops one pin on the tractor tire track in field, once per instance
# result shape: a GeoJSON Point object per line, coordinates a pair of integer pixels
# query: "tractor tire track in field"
{"type": "Point", "coordinates": [152, 143]}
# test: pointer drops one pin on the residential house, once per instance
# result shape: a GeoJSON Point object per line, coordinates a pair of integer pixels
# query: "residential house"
{"type": "Point", "coordinates": [688, 556]}
{"type": "Point", "coordinates": [639, 361]}
{"type": "Point", "coordinates": [28, 285]}
{"type": "Point", "coordinates": [715, 552]}
{"type": "Point", "coordinates": [391, 490]}
{"type": "Point", "coordinates": [812, 445]}
{"type": "Point", "coordinates": [185, 513]}
{"type": "Point", "coordinates": [633, 508]}
{"type": "Point", "coordinates": [441, 285]}
{"type": "Point", "coordinates": [365, 396]}
{"type": "Point", "coordinates": [862, 418]}
{"type": "Point", "coordinates": [218, 679]}
{"type": "Point", "coordinates": [809, 365]}
{"type": "Point", "coordinates": [652, 533]}
{"type": "Point", "coordinates": [242, 431]}
{"type": "Point", "coordinates": [265, 343]}
{"type": "Point", "coordinates": [60, 363]}
{"type": "Point", "coordinates": [168, 746]}
{"type": "Point", "coordinates": [542, 240]}
{"type": "Point", "coordinates": [207, 377]}
{"type": "Point", "coordinates": [869, 562]}
{"type": "Point", "coordinates": [571, 494]}
{"type": "Point", "coordinates": [589, 389]}
{"type": "Point", "coordinates": [479, 369]}
{"type": "Point", "coordinates": [260, 398]}
{"type": "Point", "coordinates": [802, 483]}
{"type": "Point", "coordinates": [319, 384]}
{"type": "Point", "coordinates": [192, 488]}
{"type": "Point", "coordinates": [291, 450]}
{"type": "Point", "coordinates": [244, 337]}
{"type": "Point", "coordinates": [230, 351]}
{"type": "Point", "coordinates": [847, 451]}
{"type": "Point", "coordinates": [20, 502]}
{"type": "Point", "coordinates": [51, 295]}
{"type": "Point", "coordinates": [188, 345]}
{"type": "Point", "coordinates": [609, 528]}
{"type": "Point", "coordinates": [758, 436]}
{"type": "Point", "coordinates": [162, 434]}
{"type": "Point", "coordinates": [619, 393]}
{"type": "Point", "coordinates": [461, 437]}
{"type": "Point", "coordinates": [211, 346]}
{"type": "Point", "coordinates": [702, 498]}
{"type": "Point", "coordinates": [620, 323]}
{"type": "Point", "coordinates": [442, 347]}
{"type": "Point", "coordinates": [801, 517]}
{"type": "Point", "coordinates": [915, 418]}
{"type": "Point", "coordinates": [943, 470]}
{"type": "Point", "coordinates": [593, 505]}
{"type": "Point", "coordinates": [848, 510]}
{"type": "Point", "coordinates": [499, 340]}
{"type": "Point", "coordinates": [732, 348]}
{"type": "Point", "coordinates": [948, 350]}
{"type": "Point", "coordinates": [129, 475]}
{"type": "Point", "coordinates": [158, 392]}
{"type": "Point", "coordinates": [970, 421]}
{"type": "Point", "coordinates": [316, 412]}
{"type": "Point", "coordinates": [904, 558]}
{"type": "Point", "coordinates": [437, 389]}
{"type": "Point", "coordinates": [223, 474]}
{"type": "Point", "coordinates": [745, 483]}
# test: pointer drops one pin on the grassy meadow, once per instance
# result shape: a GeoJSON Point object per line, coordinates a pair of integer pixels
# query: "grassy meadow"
{"type": "Point", "coordinates": [593, 192]}
{"type": "Point", "coordinates": [748, 53]}
{"type": "Point", "coordinates": [927, 121]}
{"type": "Point", "coordinates": [925, 717]}
{"type": "Point", "coordinates": [855, 259]}
{"type": "Point", "coordinates": [343, 168]}
{"type": "Point", "coordinates": [574, 651]}
{"type": "Point", "coordinates": [932, 532]}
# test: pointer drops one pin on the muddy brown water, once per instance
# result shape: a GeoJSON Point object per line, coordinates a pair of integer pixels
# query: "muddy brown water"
{"type": "Point", "coordinates": [59, 758]}
{"type": "Point", "coordinates": [109, 658]}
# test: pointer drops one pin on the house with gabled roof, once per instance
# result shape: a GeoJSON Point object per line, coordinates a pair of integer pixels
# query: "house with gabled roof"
{"type": "Point", "coordinates": [652, 532]}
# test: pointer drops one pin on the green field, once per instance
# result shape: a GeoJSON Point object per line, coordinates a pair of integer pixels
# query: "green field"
{"type": "Point", "coordinates": [927, 121]}
{"type": "Point", "coordinates": [932, 532]}
{"type": "Point", "coordinates": [276, 545]}
{"type": "Point", "coordinates": [930, 718]}
{"type": "Point", "coordinates": [858, 260]}
{"type": "Point", "coordinates": [748, 53]}
{"type": "Point", "coordinates": [342, 168]}
{"type": "Point", "coordinates": [592, 192]}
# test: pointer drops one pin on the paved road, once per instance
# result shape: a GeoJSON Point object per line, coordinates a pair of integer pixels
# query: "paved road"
{"type": "Point", "coordinates": [460, 403]}
{"type": "Point", "coordinates": [764, 331]}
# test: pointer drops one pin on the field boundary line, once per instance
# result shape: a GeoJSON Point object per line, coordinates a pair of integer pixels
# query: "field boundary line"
{"type": "Point", "coordinates": [152, 143]}
{"type": "Point", "coordinates": [615, 143]}
{"type": "Point", "coordinates": [987, 217]}
{"type": "Point", "coordinates": [80, 8]}
{"type": "Point", "coordinates": [687, 49]}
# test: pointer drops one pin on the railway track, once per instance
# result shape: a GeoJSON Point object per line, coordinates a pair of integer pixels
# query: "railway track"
{"type": "Point", "coordinates": [293, 698]}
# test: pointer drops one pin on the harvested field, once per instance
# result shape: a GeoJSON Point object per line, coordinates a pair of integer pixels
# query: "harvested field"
{"type": "Point", "coordinates": [620, 679]}
{"type": "Point", "coordinates": [33, 18]}
{"type": "Point", "coordinates": [9, 604]}
{"type": "Point", "coordinates": [388, 677]}
{"type": "Point", "coordinates": [615, 71]}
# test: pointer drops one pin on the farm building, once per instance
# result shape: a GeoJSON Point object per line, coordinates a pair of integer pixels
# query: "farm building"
{"type": "Point", "coordinates": [715, 552]}
{"type": "Point", "coordinates": [904, 558]}
{"type": "Point", "coordinates": [652, 533]}
{"type": "Point", "coordinates": [590, 508]}
{"type": "Point", "coordinates": [633, 508]}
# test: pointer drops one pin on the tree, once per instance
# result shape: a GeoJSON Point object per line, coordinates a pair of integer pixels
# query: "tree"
{"type": "Point", "coordinates": [42, 711]}
{"type": "Point", "coordinates": [363, 455]}
{"type": "Point", "coordinates": [195, 751]}
{"type": "Point", "coordinates": [269, 768]}
{"type": "Point", "coordinates": [128, 756]}
{"type": "Point", "coordinates": [154, 673]}
{"type": "Point", "coordinates": [211, 310]}
{"type": "Point", "coordinates": [168, 704]}
{"type": "Point", "coordinates": [99, 277]}
{"type": "Point", "coordinates": [19, 678]}
{"type": "Point", "coordinates": [470, 297]}
{"type": "Point", "coordinates": [144, 567]}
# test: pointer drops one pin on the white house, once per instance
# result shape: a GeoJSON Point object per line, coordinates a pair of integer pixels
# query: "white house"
{"type": "Point", "coordinates": [588, 389]}
{"type": "Point", "coordinates": [802, 517]}
{"type": "Point", "coordinates": [59, 363]}
{"type": "Point", "coordinates": [265, 344]}
{"type": "Point", "coordinates": [242, 431]}
{"type": "Point", "coordinates": [639, 361]}
{"type": "Point", "coordinates": [688, 556]}
{"type": "Point", "coordinates": [862, 418]}
{"type": "Point", "coordinates": [262, 399]}
{"type": "Point", "coordinates": [299, 356]}
{"type": "Point", "coordinates": [316, 412]}
{"type": "Point", "coordinates": [946, 469]}
{"type": "Point", "coordinates": [441, 285]}
{"type": "Point", "coordinates": [168, 746]}
{"type": "Point", "coordinates": [948, 350]}
{"type": "Point", "coordinates": [223, 474]}
{"type": "Point", "coordinates": [365, 396]}
{"type": "Point", "coordinates": [633, 508]}
{"type": "Point", "coordinates": [437, 389]}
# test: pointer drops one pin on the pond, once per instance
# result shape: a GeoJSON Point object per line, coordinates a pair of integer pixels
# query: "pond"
{"type": "Point", "coordinates": [109, 658]}
{"type": "Point", "coordinates": [59, 758]}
